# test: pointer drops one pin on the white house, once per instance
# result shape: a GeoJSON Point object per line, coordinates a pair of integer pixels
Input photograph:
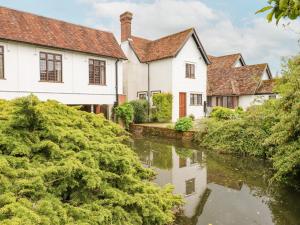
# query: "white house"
{"type": "Point", "coordinates": [175, 64]}
{"type": "Point", "coordinates": [232, 83]}
{"type": "Point", "coordinates": [57, 60]}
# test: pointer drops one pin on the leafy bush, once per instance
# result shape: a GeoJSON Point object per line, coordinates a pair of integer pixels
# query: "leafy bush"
{"type": "Point", "coordinates": [140, 108]}
{"type": "Point", "coordinates": [184, 124]}
{"type": "Point", "coordinates": [222, 113]}
{"type": "Point", "coordinates": [125, 112]}
{"type": "Point", "coordinates": [162, 111]}
{"type": "Point", "coordinates": [192, 117]}
{"type": "Point", "coordinates": [59, 165]}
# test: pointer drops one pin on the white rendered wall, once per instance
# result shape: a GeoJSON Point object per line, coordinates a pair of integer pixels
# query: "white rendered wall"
{"type": "Point", "coordinates": [22, 76]}
{"type": "Point", "coordinates": [189, 54]}
{"type": "Point", "coordinates": [246, 101]}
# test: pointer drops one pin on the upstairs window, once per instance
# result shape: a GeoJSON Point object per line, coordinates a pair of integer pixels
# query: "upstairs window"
{"type": "Point", "coordinates": [50, 67]}
{"type": "Point", "coordinates": [190, 70]}
{"type": "Point", "coordinates": [195, 99]}
{"type": "Point", "coordinates": [1, 62]}
{"type": "Point", "coordinates": [97, 72]}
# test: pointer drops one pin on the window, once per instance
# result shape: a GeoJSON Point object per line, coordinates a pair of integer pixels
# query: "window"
{"type": "Point", "coordinates": [50, 67]}
{"type": "Point", "coordinates": [97, 72]}
{"type": "Point", "coordinates": [190, 70]}
{"type": "Point", "coordinates": [1, 62]}
{"type": "Point", "coordinates": [230, 103]}
{"type": "Point", "coordinates": [142, 95]}
{"type": "Point", "coordinates": [182, 162]}
{"type": "Point", "coordinates": [219, 101]}
{"type": "Point", "coordinates": [190, 186]}
{"type": "Point", "coordinates": [209, 101]}
{"type": "Point", "coordinates": [195, 99]}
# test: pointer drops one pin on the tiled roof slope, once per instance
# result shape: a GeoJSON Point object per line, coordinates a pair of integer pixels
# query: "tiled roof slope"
{"type": "Point", "coordinates": [225, 79]}
{"type": "Point", "coordinates": [29, 28]}
{"type": "Point", "coordinates": [166, 47]}
{"type": "Point", "coordinates": [266, 87]}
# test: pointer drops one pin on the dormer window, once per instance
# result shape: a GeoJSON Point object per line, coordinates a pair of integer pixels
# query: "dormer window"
{"type": "Point", "coordinates": [190, 70]}
{"type": "Point", "coordinates": [1, 62]}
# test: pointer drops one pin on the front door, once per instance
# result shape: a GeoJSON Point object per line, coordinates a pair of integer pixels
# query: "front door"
{"type": "Point", "coordinates": [182, 104]}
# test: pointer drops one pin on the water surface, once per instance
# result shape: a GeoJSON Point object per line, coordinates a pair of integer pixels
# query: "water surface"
{"type": "Point", "coordinates": [218, 189]}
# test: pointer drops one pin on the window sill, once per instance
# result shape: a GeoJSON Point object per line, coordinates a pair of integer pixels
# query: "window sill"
{"type": "Point", "coordinates": [3, 78]}
{"type": "Point", "coordinates": [97, 84]}
{"type": "Point", "coordinates": [50, 81]}
{"type": "Point", "coordinates": [192, 78]}
{"type": "Point", "coordinates": [196, 105]}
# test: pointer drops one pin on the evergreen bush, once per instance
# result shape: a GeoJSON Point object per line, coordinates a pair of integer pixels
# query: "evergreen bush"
{"type": "Point", "coordinates": [222, 113]}
{"type": "Point", "coordinates": [59, 165]}
{"type": "Point", "coordinates": [162, 111]}
{"type": "Point", "coordinates": [140, 108]}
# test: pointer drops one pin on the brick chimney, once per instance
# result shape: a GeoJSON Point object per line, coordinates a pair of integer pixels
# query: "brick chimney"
{"type": "Point", "coordinates": [125, 19]}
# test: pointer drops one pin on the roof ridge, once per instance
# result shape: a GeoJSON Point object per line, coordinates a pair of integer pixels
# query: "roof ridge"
{"type": "Point", "coordinates": [54, 19]}
{"type": "Point", "coordinates": [170, 35]}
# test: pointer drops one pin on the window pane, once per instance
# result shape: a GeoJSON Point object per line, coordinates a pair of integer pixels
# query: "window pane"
{"type": "Point", "coordinates": [1, 49]}
{"type": "Point", "coordinates": [58, 57]}
{"type": "Point", "coordinates": [50, 56]}
{"type": "Point", "coordinates": [58, 71]}
{"type": "Point", "coordinates": [42, 55]}
{"type": "Point", "coordinates": [1, 67]}
{"type": "Point", "coordinates": [91, 62]}
{"type": "Point", "coordinates": [192, 71]}
{"type": "Point", "coordinates": [190, 186]}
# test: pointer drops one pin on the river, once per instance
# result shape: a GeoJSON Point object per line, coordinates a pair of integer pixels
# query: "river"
{"type": "Point", "coordinates": [219, 189]}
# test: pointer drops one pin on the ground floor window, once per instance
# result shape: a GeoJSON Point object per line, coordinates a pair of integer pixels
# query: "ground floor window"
{"type": "Point", "coordinates": [190, 186]}
{"type": "Point", "coordinates": [209, 101]}
{"type": "Point", "coordinates": [142, 95]}
{"type": "Point", "coordinates": [227, 101]}
{"type": "Point", "coordinates": [195, 99]}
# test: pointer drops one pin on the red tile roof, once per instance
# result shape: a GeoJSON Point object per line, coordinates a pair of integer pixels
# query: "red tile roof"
{"type": "Point", "coordinates": [29, 28]}
{"type": "Point", "coordinates": [166, 47]}
{"type": "Point", "coordinates": [266, 87]}
{"type": "Point", "coordinates": [225, 79]}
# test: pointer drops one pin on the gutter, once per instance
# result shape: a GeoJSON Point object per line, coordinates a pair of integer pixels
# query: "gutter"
{"type": "Point", "coordinates": [117, 83]}
{"type": "Point", "coordinates": [149, 93]}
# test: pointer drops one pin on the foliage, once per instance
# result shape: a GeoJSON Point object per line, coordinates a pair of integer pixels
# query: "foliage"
{"type": "Point", "coordinates": [271, 130]}
{"type": "Point", "coordinates": [140, 108]}
{"type": "Point", "coordinates": [162, 111]}
{"type": "Point", "coordinates": [125, 112]}
{"type": "Point", "coordinates": [285, 136]}
{"type": "Point", "coordinates": [222, 113]}
{"type": "Point", "coordinates": [192, 117]}
{"type": "Point", "coordinates": [184, 124]}
{"type": "Point", "coordinates": [279, 9]}
{"type": "Point", "coordinates": [59, 165]}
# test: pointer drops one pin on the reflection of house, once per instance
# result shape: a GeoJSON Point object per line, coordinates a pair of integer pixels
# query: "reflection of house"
{"type": "Point", "coordinates": [188, 174]}
{"type": "Point", "coordinates": [232, 83]}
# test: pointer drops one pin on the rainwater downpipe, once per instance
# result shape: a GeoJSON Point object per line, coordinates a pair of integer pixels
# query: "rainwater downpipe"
{"type": "Point", "coordinates": [149, 92]}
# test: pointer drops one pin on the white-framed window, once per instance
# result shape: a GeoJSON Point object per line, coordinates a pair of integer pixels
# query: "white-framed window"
{"type": "Point", "coordinates": [195, 99]}
{"type": "Point", "coordinates": [190, 186]}
{"type": "Point", "coordinates": [142, 95]}
{"type": "Point", "coordinates": [190, 70]}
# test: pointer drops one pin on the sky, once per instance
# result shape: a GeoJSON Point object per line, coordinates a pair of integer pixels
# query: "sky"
{"type": "Point", "coordinates": [224, 26]}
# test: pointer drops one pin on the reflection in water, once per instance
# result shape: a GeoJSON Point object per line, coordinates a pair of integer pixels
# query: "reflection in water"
{"type": "Point", "coordinates": [219, 190]}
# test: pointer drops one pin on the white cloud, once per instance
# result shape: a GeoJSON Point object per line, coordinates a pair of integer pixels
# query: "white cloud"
{"type": "Point", "coordinates": [257, 40]}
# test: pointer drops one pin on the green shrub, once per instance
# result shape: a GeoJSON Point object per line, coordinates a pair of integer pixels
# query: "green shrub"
{"type": "Point", "coordinates": [192, 117]}
{"type": "Point", "coordinates": [184, 124]}
{"type": "Point", "coordinates": [162, 111]}
{"type": "Point", "coordinates": [59, 165]}
{"type": "Point", "coordinates": [125, 112]}
{"type": "Point", "coordinates": [140, 108]}
{"type": "Point", "coordinates": [222, 113]}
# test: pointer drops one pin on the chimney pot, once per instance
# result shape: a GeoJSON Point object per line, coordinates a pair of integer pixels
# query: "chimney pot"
{"type": "Point", "coordinates": [125, 20]}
